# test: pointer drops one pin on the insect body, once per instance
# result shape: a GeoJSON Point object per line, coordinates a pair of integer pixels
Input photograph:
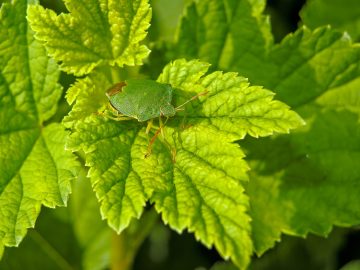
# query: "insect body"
{"type": "Point", "coordinates": [142, 99]}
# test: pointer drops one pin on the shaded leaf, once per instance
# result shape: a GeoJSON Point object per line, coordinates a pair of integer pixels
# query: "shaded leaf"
{"type": "Point", "coordinates": [301, 183]}
{"type": "Point", "coordinates": [35, 170]}
{"type": "Point", "coordinates": [341, 14]}
{"type": "Point", "coordinates": [94, 240]}
{"type": "Point", "coordinates": [306, 189]}
{"type": "Point", "coordinates": [210, 30]}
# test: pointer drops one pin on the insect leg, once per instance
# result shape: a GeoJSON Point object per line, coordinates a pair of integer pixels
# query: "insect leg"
{"type": "Point", "coordinates": [153, 139]}
{"type": "Point", "coordinates": [149, 126]}
{"type": "Point", "coordinates": [172, 149]}
{"type": "Point", "coordinates": [119, 118]}
{"type": "Point", "coordinates": [116, 117]}
{"type": "Point", "coordinates": [161, 131]}
{"type": "Point", "coordinates": [112, 109]}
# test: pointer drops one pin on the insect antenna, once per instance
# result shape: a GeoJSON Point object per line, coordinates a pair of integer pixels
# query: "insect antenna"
{"type": "Point", "coordinates": [178, 108]}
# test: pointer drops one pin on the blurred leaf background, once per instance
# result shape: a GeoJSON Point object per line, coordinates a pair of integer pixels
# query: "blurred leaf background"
{"type": "Point", "coordinates": [63, 238]}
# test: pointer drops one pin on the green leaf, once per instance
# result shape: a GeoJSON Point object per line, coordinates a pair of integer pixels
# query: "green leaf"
{"type": "Point", "coordinates": [303, 182]}
{"type": "Point", "coordinates": [342, 14]}
{"type": "Point", "coordinates": [310, 188]}
{"type": "Point", "coordinates": [305, 56]}
{"type": "Point", "coordinates": [166, 15]}
{"type": "Point", "coordinates": [225, 109]}
{"type": "Point", "coordinates": [195, 174]}
{"type": "Point", "coordinates": [51, 245]}
{"type": "Point", "coordinates": [333, 61]}
{"type": "Point", "coordinates": [107, 147]}
{"type": "Point", "coordinates": [352, 265]}
{"type": "Point", "coordinates": [88, 98]}
{"type": "Point", "coordinates": [210, 30]}
{"type": "Point", "coordinates": [312, 253]}
{"type": "Point", "coordinates": [321, 60]}
{"type": "Point", "coordinates": [188, 192]}
{"type": "Point", "coordinates": [94, 33]}
{"type": "Point", "coordinates": [35, 170]}
{"type": "Point", "coordinates": [63, 238]}
{"type": "Point", "coordinates": [344, 95]}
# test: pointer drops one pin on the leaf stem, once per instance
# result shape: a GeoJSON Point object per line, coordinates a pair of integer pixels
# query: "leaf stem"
{"type": "Point", "coordinates": [2, 249]}
{"type": "Point", "coordinates": [125, 246]}
{"type": "Point", "coordinates": [50, 250]}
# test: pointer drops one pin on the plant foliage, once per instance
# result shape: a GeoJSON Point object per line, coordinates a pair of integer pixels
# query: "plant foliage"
{"type": "Point", "coordinates": [35, 169]}
{"type": "Point", "coordinates": [306, 181]}
{"type": "Point", "coordinates": [197, 176]}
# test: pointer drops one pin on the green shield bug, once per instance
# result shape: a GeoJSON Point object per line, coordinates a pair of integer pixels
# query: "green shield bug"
{"type": "Point", "coordinates": [144, 100]}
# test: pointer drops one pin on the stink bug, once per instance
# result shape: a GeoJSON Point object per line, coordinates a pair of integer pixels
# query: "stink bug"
{"type": "Point", "coordinates": [143, 100]}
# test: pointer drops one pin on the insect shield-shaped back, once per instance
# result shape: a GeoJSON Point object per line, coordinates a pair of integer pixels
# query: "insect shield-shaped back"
{"type": "Point", "coordinates": [142, 99]}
